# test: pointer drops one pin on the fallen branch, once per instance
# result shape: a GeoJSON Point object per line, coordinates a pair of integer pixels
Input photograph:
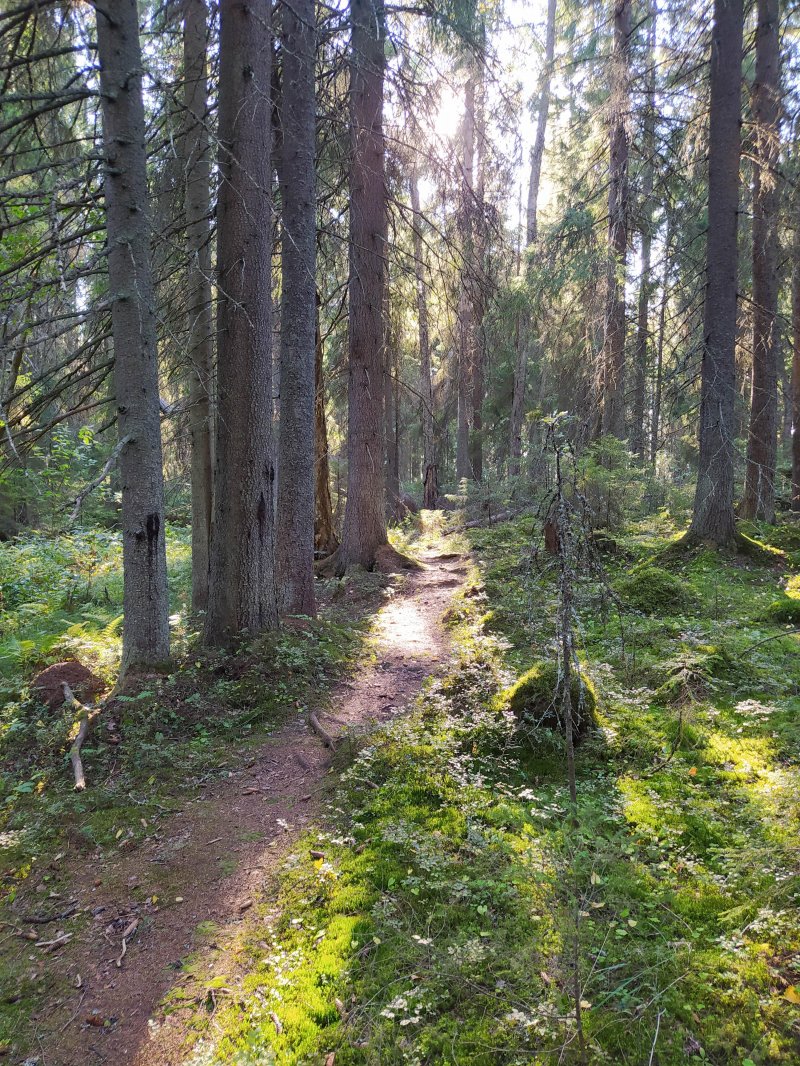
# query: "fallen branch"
{"type": "Point", "coordinates": [53, 945]}
{"type": "Point", "coordinates": [130, 930]}
{"type": "Point", "coordinates": [321, 732]}
{"type": "Point", "coordinates": [110, 463]}
{"type": "Point", "coordinates": [503, 516]}
{"type": "Point", "coordinates": [86, 720]}
{"type": "Point", "coordinates": [36, 919]}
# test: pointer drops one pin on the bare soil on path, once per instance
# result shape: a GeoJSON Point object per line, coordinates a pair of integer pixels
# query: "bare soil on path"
{"type": "Point", "coordinates": [221, 855]}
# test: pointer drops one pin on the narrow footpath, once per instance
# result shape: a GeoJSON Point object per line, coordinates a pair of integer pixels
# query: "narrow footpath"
{"type": "Point", "coordinates": [220, 856]}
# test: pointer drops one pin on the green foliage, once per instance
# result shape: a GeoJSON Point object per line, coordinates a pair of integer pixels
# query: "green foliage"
{"type": "Point", "coordinates": [610, 482]}
{"type": "Point", "coordinates": [786, 609]}
{"type": "Point", "coordinates": [653, 590]}
{"type": "Point", "coordinates": [535, 700]}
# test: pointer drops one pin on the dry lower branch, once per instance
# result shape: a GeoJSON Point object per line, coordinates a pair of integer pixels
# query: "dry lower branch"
{"type": "Point", "coordinates": [109, 466]}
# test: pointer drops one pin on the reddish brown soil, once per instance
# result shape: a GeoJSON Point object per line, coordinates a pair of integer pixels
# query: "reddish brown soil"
{"type": "Point", "coordinates": [211, 862]}
{"type": "Point", "coordinates": [84, 684]}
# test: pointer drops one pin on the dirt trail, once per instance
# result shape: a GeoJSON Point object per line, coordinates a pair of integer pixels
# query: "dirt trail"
{"type": "Point", "coordinates": [214, 860]}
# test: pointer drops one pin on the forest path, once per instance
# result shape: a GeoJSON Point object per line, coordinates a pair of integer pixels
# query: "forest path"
{"type": "Point", "coordinates": [212, 861]}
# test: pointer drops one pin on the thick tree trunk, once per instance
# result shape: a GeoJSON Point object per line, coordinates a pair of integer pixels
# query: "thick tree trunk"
{"type": "Point", "coordinates": [364, 530]}
{"type": "Point", "coordinates": [296, 457]}
{"type": "Point", "coordinates": [638, 427]}
{"type": "Point", "coordinates": [762, 441]}
{"type": "Point", "coordinates": [795, 385]}
{"type": "Point", "coordinates": [242, 593]}
{"type": "Point", "coordinates": [197, 170]}
{"type": "Point", "coordinates": [325, 539]}
{"type": "Point", "coordinates": [466, 325]}
{"type": "Point", "coordinates": [614, 337]}
{"type": "Point", "coordinates": [145, 640]}
{"type": "Point", "coordinates": [523, 338]}
{"type": "Point", "coordinates": [430, 473]}
{"type": "Point", "coordinates": [479, 287]}
{"type": "Point", "coordinates": [713, 519]}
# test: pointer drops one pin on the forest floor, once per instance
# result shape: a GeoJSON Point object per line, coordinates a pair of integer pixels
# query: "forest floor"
{"type": "Point", "coordinates": [424, 896]}
{"type": "Point", "coordinates": [189, 892]}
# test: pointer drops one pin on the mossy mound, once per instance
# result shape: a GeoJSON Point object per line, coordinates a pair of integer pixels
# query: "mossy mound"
{"type": "Point", "coordinates": [652, 590]}
{"type": "Point", "coordinates": [535, 700]}
{"type": "Point", "coordinates": [785, 610]}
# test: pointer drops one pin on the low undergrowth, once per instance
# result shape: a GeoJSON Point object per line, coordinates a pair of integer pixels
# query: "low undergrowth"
{"type": "Point", "coordinates": [153, 748]}
{"type": "Point", "coordinates": [436, 918]}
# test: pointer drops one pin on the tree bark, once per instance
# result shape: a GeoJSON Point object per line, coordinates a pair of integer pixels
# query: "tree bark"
{"type": "Point", "coordinates": [364, 529]}
{"type": "Point", "coordinates": [466, 326]}
{"type": "Point", "coordinates": [713, 518]}
{"type": "Point", "coordinates": [614, 336]}
{"type": "Point", "coordinates": [762, 441]}
{"type": "Point", "coordinates": [391, 415]}
{"type": "Point", "coordinates": [325, 539]}
{"type": "Point", "coordinates": [655, 428]}
{"type": "Point", "coordinates": [296, 456]}
{"type": "Point", "coordinates": [145, 640]}
{"type": "Point", "coordinates": [523, 338]}
{"type": "Point", "coordinates": [430, 473]}
{"type": "Point", "coordinates": [479, 282]}
{"type": "Point", "coordinates": [197, 170]}
{"type": "Point", "coordinates": [638, 427]}
{"type": "Point", "coordinates": [795, 385]}
{"type": "Point", "coordinates": [242, 594]}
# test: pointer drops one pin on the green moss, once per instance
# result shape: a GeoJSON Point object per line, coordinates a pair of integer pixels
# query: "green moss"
{"type": "Point", "coordinates": [535, 700]}
{"type": "Point", "coordinates": [785, 610]}
{"type": "Point", "coordinates": [653, 590]}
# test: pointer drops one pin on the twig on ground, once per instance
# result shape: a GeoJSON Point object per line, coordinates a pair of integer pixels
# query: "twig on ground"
{"type": "Point", "coordinates": [321, 732]}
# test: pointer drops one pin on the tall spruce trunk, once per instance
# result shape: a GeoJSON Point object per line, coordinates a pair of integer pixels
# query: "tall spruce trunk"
{"type": "Point", "coordinates": [795, 383]}
{"type": "Point", "coordinates": [296, 457]}
{"type": "Point", "coordinates": [618, 208]}
{"type": "Point", "coordinates": [658, 384]}
{"type": "Point", "coordinates": [466, 325]}
{"type": "Point", "coordinates": [325, 539]}
{"type": "Point", "coordinates": [197, 170]}
{"type": "Point", "coordinates": [430, 472]}
{"type": "Point", "coordinates": [145, 639]}
{"type": "Point", "coordinates": [638, 426]}
{"type": "Point", "coordinates": [713, 518]}
{"type": "Point", "coordinates": [523, 331]}
{"type": "Point", "coordinates": [364, 527]}
{"type": "Point", "coordinates": [479, 281]}
{"type": "Point", "coordinates": [242, 593]}
{"type": "Point", "coordinates": [762, 441]}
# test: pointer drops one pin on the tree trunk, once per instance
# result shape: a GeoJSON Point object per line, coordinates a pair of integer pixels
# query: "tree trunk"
{"type": "Point", "coordinates": [762, 441]}
{"type": "Point", "coordinates": [391, 414]}
{"type": "Point", "coordinates": [713, 519]}
{"type": "Point", "coordinates": [242, 593]}
{"type": "Point", "coordinates": [795, 386]}
{"type": "Point", "coordinates": [325, 539]}
{"type": "Point", "coordinates": [532, 230]}
{"type": "Point", "coordinates": [537, 151]}
{"type": "Point", "coordinates": [466, 325]}
{"type": "Point", "coordinates": [614, 337]}
{"type": "Point", "coordinates": [364, 530]}
{"type": "Point", "coordinates": [430, 473]}
{"type": "Point", "coordinates": [479, 281]}
{"type": "Point", "coordinates": [197, 170]}
{"type": "Point", "coordinates": [655, 428]}
{"type": "Point", "coordinates": [145, 640]}
{"type": "Point", "coordinates": [296, 457]}
{"type": "Point", "coordinates": [638, 427]}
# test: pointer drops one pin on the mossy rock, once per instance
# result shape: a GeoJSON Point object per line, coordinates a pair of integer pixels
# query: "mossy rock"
{"type": "Point", "coordinates": [652, 590]}
{"type": "Point", "coordinates": [785, 610]}
{"type": "Point", "coordinates": [535, 700]}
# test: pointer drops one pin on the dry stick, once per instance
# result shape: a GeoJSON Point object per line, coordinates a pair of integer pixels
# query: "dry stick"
{"type": "Point", "coordinates": [87, 717]}
{"type": "Point", "coordinates": [321, 732]}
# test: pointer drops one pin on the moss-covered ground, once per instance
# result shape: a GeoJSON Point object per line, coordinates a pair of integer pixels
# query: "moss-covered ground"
{"type": "Point", "coordinates": [441, 914]}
